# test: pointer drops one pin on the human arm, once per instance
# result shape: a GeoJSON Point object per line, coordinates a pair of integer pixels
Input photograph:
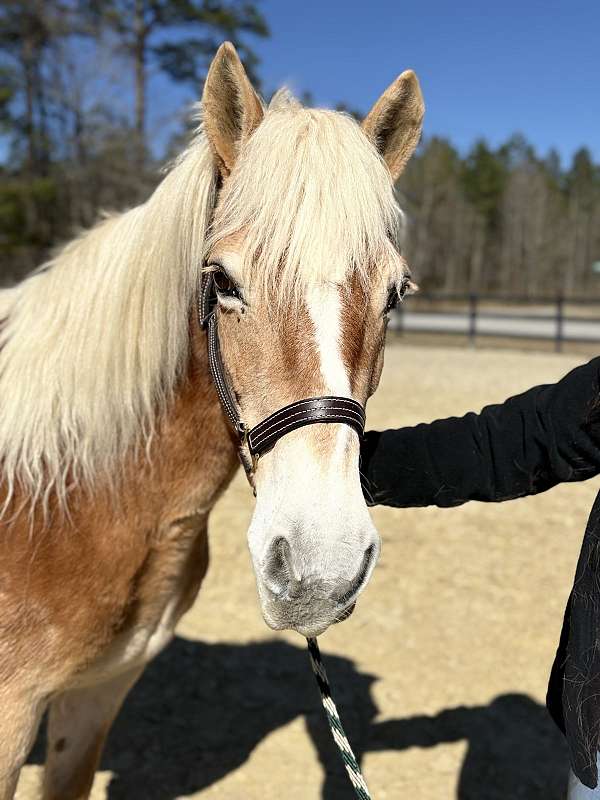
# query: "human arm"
{"type": "Point", "coordinates": [547, 435]}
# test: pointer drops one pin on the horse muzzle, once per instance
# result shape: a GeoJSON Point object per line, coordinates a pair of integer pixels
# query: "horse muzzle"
{"type": "Point", "coordinates": [293, 597]}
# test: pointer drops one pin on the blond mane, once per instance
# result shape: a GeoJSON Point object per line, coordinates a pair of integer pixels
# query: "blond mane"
{"type": "Point", "coordinates": [94, 342]}
{"type": "Point", "coordinates": [92, 345]}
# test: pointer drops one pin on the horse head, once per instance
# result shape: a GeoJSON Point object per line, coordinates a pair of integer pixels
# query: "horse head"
{"type": "Point", "coordinates": [304, 255]}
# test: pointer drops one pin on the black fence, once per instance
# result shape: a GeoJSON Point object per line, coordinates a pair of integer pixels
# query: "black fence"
{"type": "Point", "coordinates": [557, 319]}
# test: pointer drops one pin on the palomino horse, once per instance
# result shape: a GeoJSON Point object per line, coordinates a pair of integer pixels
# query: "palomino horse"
{"type": "Point", "coordinates": [113, 443]}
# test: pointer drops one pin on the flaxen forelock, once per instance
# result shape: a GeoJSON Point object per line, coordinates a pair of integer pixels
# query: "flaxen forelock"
{"type": "Point", "coordinates": [314, 200]}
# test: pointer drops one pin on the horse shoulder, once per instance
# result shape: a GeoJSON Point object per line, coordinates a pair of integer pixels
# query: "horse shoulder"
{"type": "Point", "coordinates": [87, 594]}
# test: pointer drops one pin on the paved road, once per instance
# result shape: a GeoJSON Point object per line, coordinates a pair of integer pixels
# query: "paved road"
{"type": "Point", "coordinates": [441, 322]}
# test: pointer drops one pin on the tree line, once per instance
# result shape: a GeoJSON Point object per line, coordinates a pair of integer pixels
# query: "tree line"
{"type": "Point", "coordinates": [75, 140]}
{"type": "Point", "coordinates": [503, 220]}
{"type": "Point", "coordinates": [74, 78]}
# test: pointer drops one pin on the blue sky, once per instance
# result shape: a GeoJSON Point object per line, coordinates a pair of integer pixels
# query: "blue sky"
{"type": "Point", "coordinates": [486, 68]}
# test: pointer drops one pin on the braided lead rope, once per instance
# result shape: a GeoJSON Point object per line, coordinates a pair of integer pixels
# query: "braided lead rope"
{"type": "Point", "coordinates": [335, 724]}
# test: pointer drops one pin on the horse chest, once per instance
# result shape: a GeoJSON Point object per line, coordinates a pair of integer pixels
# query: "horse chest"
{"type": "Point", "coordinates": [163, 589]}
{"type": "Point", "coordinates": [134, 648]}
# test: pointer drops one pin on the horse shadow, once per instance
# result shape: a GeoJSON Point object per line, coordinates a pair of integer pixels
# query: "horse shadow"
{"type": "Point", "coordinates": [200, 709]}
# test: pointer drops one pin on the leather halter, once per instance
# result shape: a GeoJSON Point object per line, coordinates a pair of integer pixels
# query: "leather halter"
{"type": "Point", "coordinates": [254, 442]}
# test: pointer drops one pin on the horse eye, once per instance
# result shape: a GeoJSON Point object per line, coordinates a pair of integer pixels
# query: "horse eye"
{"type": "Point", "coordinates": [391, 302]}
{"type": "Point", "coordinates": [224, 285]}
{"type": "Point", "coordinates": [393, 299]}
{"type": "Point", "coordinates": [396, 295]}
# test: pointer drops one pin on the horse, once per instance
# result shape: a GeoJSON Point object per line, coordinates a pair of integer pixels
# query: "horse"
{"type": "Point", "coordinates": [114, 446]}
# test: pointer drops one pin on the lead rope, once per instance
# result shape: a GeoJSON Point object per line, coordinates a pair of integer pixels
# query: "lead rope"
{"type": "Point", "coordinates": [335, 724]}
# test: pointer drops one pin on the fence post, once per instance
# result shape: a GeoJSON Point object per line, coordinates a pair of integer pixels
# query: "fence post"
{"type": "Point", "coordinates": [472, 317]}
{"type": "Point", "coordinates": [560, 311]}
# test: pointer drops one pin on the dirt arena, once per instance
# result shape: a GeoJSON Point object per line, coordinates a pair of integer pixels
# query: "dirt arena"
{"type": "Point", "coordinates": [440, 674]}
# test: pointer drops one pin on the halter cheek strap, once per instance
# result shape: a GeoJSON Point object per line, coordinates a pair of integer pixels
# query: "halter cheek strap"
{"type": "Point", "coordinates": [261, 438]}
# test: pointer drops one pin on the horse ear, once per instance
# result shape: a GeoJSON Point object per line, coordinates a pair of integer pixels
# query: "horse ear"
{"type": "Point", "coordinates": [395, 121]}
{"type": "Point", "coordinates": [231, 109]}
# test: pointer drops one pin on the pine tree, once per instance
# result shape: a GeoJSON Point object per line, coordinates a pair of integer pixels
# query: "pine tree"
{"type": "Point", "coordinates": [180, 37]}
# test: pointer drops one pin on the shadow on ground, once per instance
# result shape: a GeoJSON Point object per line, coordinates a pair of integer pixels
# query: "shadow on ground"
{"type": "Point", "coordinates": [200, 709]}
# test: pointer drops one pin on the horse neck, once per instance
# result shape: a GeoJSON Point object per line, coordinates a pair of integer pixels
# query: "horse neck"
{"type": "Point", "coordinates": [194, 453]}
{"type": "Point", "coordinates": [191, 460]}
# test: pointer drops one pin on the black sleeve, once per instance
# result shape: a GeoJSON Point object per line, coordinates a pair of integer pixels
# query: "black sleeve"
{"type": "Point", "coordinates": [547, 435]}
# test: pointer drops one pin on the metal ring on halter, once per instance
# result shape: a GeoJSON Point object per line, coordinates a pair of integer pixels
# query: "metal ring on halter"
{"type": "Point", "coordinates": [265, 435]}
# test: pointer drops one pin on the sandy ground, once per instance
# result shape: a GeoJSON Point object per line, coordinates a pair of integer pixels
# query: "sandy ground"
{"type": "Point", "coordinates": [440, 674]}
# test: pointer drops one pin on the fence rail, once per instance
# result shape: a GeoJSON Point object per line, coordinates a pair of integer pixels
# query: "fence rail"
{"type": "Point", "coordinates": [557, 319]}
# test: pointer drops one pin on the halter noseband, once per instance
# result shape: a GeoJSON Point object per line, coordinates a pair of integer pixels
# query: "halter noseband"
{"type": "Point", "coordinates": [266, 434]}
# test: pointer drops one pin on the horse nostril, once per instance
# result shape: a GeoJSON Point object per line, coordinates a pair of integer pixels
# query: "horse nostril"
{"type": "Point", "coordinates": [360, 578]}
{"type": "Point", "coordinates": [278, 567]}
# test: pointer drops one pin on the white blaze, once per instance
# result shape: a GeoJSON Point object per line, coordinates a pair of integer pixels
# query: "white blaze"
{"type": "Point", "coordinates": [324, 308]}
{"type": "Point", "coordinates": [325, 311]}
